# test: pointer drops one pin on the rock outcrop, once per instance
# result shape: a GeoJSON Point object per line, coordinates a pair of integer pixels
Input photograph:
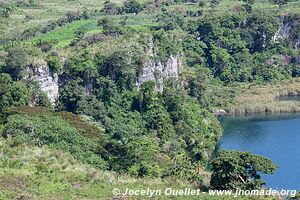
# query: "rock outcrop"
{"type": "Point", "coordinates": [158, 71]}
{"type": "Point", "coordinates": [283, 31]}
{"type": "Point", "coordinates": [47, 80]}
{"type": "Point", "coordinates": [289, 25]}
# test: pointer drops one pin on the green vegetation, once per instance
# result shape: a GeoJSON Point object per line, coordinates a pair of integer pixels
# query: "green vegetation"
{"type": "Point", "coordinates": [260, 99]}
{"type": "Point", "coordinates": [138, 84]}
{"type": "Point", "coordinates": [234, 169]}
{"type": "Point", "coordinates": [43, 173]}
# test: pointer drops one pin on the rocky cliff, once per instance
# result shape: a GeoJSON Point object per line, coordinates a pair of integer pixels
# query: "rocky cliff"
{"type": "Point", "coordinates": [47, 80]}
{"type": "Point", "coordinates": [158, 71]}
{"type": "Point", "coordinates": [290, 25]}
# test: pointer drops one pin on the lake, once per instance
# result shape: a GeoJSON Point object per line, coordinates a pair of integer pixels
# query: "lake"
{"type": "Point", "coordinates": [275, 136]}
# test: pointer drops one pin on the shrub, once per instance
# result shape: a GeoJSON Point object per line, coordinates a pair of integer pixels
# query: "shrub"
{"type": "Point", "coordinates": [54, 63]}
{"type": "Point", "coordinates": [235, 169]}
{"type": "Point", "coordinates": [56, 133]}
{"type": "Point", "coordinates": [132, 6]}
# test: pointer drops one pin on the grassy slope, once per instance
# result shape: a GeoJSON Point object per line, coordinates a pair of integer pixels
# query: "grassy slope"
{"type": "Point", "coordinates": [29, 172]}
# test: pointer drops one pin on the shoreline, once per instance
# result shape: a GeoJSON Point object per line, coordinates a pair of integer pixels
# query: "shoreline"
{"type": "Point", "coordinates": [266, 99]}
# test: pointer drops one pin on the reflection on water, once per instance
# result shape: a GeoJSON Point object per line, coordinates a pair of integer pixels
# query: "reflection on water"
{"type": "Point", "coordinates": [276, 136]}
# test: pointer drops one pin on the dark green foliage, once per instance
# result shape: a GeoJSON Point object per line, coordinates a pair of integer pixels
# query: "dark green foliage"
{"type": "Point", "coordinates": [238, 48]}
{"type": "Point", "coordinates": [17, 60]}
{"type": "Point", "coordinates": [91, 106]}
{"type": "Point", "coordinates": [132, 6]}
{"type": "Point", "coordinates": [82, 66]}
{"type": "Point", "coordinates": [54, 63]}
{"type": "Point", "coordinates": [201, 4]}
{"type": "Point", "coordinates": [280, 3]}
{"type": "Point", "coordinates": [12, 93]}
{"type": "Point", "coordinates": [70, 95]}
{"type": "Point", "coordinates": [31, 32]}
{"type": "Point", "coordinates": [44, 45]}
{"type": "Point", "coordinates": [69, 17]}
{"type": "Point", "coordinates": [239, 170]}
{"type": "Point", "coordinates": [26, 3]}
{"type": "Point", "coordinates": [168, 44]}
{"type": "Point", "coordinates": [55, 132]}
{"type": "Point", "coordinates": [42, 100]}
{"type": "Point", "coordinates": [259, 30]}
{"type": "Point", "coordinates": [122, 66]}
{"type": "Point", "coordinates": [158, 120]}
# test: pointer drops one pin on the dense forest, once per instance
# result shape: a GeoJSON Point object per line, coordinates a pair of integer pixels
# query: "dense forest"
{"type": "Point", "coordinates": [100, 93]}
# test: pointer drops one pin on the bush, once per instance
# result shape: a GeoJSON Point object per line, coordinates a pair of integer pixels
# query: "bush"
{"type": "Point", "coordinates": [235, 169]}
{"type": "Point", "coordinates": [56, 133]}
{"type": "Point", "coordinates": [132, 6]}
{"type": "Point", "coordinates": [54, 63]}
{"type": "Point", "coordinates": [17, 59]}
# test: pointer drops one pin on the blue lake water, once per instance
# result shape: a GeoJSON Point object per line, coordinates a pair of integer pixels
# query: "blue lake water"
{"type": "Point", "coordinates": [275, 136]}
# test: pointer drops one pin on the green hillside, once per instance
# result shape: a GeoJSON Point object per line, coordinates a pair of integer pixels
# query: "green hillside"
{"type": "Point", "coordinates": [97, 95]}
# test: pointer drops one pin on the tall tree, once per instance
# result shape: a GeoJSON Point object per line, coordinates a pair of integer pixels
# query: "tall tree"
{"type": "Point", "coordinates": [235, 169]}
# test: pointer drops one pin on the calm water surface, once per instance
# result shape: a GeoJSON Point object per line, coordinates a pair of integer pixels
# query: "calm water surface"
{"type": "Point", "coordinates": [274, 136]}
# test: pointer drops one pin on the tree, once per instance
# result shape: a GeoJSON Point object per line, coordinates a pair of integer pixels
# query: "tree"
{"type": "Point", "coordinates": [239, 170]}
{"type": "Point", "coordinates": [142, 153]}
{"type": "Point", "coordinates": [91, 106]}
{"type": "Point", "coordinates": [258, 31]}
{"type": "Point", "coordinates": [122, 66]}
{"type": "Point", "coordinates": [70, 94]}
{"type": "Point", "coordinates": [6, 10]}
{"type": "Point", "coordinates": [132, 6]}
{"type": "Point", "coordinates": [17, 60]}
{"type": "Point", "coordinates": [159, 121]}
{"type": "Point", "coordinates": [12, 93]}
{"type": "Point", "coordinates": [221, 59]}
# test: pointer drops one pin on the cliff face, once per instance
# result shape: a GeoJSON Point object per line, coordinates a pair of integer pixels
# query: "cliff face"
{"type": "Point", "coordinates": [158, 71]}
{"type": "Point", "coordinates": [283, 31]}
{"type": "Point", "coordinates": [47, 80]}
{"type": "Point", "coordinates": [290, 24]}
